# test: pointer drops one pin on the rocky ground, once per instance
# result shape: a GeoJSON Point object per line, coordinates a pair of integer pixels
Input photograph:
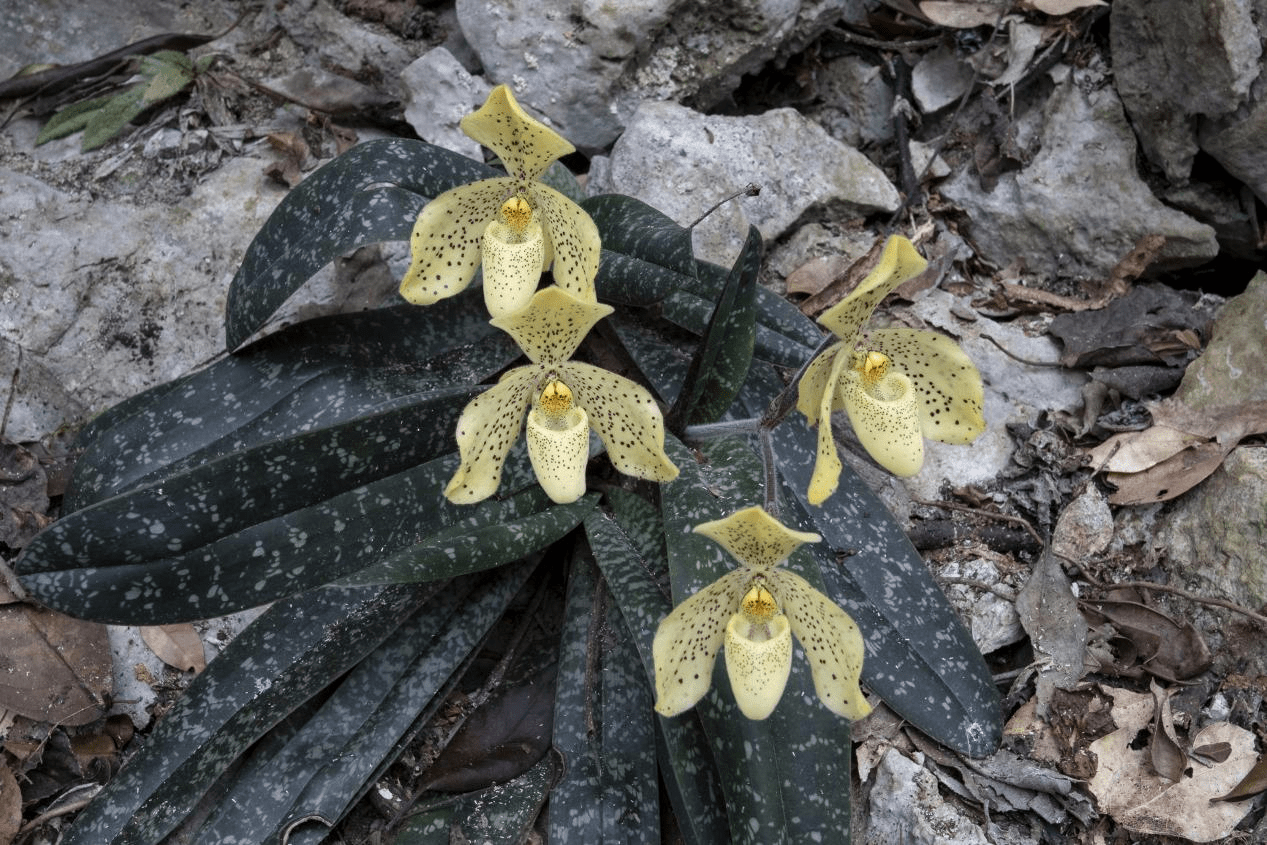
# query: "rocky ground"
{"type": "Point", "coordinates": [1089, 175]}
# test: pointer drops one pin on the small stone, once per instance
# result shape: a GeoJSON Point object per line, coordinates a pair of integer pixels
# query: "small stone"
{"type": "Point", "coordinates": [440, 93]}
{"type": "Point", "coordinates": [1085, 527]}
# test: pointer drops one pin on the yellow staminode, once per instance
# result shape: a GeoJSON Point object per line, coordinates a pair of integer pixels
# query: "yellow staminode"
{"type": "Point", "coordinates": [459, 229]}
{"type": "Point", "coordinates": [568, 399]}
{"type": "Point", "coordinates": [898, 385]}
{"type": "Point", "coordinates": [754, 611]}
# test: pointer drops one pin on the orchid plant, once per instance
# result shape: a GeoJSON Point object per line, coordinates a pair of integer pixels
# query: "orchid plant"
{"type": "Point", "coordinates": [365, 474]}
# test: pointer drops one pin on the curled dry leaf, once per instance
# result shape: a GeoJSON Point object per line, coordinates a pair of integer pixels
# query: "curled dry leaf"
{"type": "Point", "coordinates": [1164, 751]}
{"type": "Point", "coordinates": [1126, 787]}
{"type": "Point", "coordinates": [1049, 614]}
{"type": "Point", "coordinates": [1161, 646]}
{"type": "Point", "coordinates": [58, 668]}
{"type": "Point", "coordinates": [179, 645]}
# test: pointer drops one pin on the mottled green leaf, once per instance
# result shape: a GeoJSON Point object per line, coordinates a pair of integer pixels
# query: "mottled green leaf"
{"type": "Point", "coordinates": [646, 256]}
{"type": "Point", "coordinates": [287, 655]}
{"type": "Point", "coordinates": [786, 778]}
{"type": "Point", "coordinates": [724, 354]}
{"type": "Point", "coordinates": [784, 336]}
{"type": "Point", "coordinates": [315, 374]}
{"type": "Point", "coordinates": [504, 814]}
{"type": "Point", "coordinates": [494, 533]}
{"type": "Point", "coordinates": [342, 747]}
{"type": "Point", "coordinates": [369, 194]}
{"type": "Point", "coordinates": [603, 726]}
{"type": "Point", "coordinates": [630, 552]}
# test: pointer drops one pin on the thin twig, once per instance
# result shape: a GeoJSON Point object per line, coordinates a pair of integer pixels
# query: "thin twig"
{"type": "Point", "coordinates": [1024, 523]}
{"type": "Point", "coordinates": [1024, 361]}
{"type": "Point", "coordinates": [771, 475]}
{"type": "Point", "coordinates": [1166, 588]}
{"type": "Point", "coordinates": [1006, 595]}
{"type": "Point", "coordinates": [750, 190]}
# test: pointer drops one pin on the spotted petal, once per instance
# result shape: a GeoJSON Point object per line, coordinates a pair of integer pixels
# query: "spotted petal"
{"type": "Point", "coordinates": [832, 642]}
{"type": "Point", "coordinates": [827, 464]}
{"type": "Point", "coordinates": [754, 538]}
{"type": "Point", "coordinates": [559, 455]}
{"type": "Point", "coordinates": [512, 266]}
{"type": "Point", "coordinates": [886, 420]}
{"type": "Point", "coordinates": [445, 244]}
{"type": "Point", "coordinates": [946, 382]}
{"type": "Point", "coordinates": [553, 324]}
{"type": "Point", "coordinates": [487, 429]}
{"type": "Point", "coordinates": [899, 262]}
{"type": "Point", "coordinates": [626, 417]}
{"type": "Point", "coordinates": [758, 668]}
{"type": "Point", "coordinates": [688, 639]}
{"type": "Point", "coordinates": [525, 145]}
{"type": "Point", "coordinates": [574, 238]}
{"type": "Point", "coordinates": [814, 382]}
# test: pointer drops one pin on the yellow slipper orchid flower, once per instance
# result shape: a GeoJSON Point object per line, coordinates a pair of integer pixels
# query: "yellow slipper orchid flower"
{"type": "Point", "coordinates": [568, 399]}
{"type": "Point", "coordinates": [754, 611]}
{"type": "Point", "coordinates": [898, 386]}
{"type": "Point", "coordinates": [515, 224]}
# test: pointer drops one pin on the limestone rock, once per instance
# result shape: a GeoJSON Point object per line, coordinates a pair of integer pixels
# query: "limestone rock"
{"type": "Point", "coordinates": [1176, 61]}
{"type": "Point", "coordinates": [439, 93]}
{"type": "Point", "coordinates": [587, 64]}
{"type": "Point", "coordinates": [1216, 534]}
{"type": "Point", "coordinates": [683, 162]}
{"type": "Point", "coordinates": [1080, 205]}
{"type": "Point", "coordinates": [117, 297]}
{"type": "Point", "coordinates": [1231, 368]}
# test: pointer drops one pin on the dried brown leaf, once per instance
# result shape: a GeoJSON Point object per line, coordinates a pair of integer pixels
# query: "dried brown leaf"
{"type": "Point", "coordinates": [1167, 649]}
{"type": "Point", "coordinates": [1254, 782]}
{"type": "Point", "coordinates": [816, 274]}
{"type": "Point", "coordinates": [1164, 753]}
{"type": "Point", "coordinates": [1170, 478]}
{"type": "Point", "coordinates": [10, 804]}
{"type": "Point", "coordinates": [58, 668]}
{"type": "Point", "coordinates": [1137, 451]}
{"type": "Point", "coordinates": [1049, 614]}
{"type": "Point", "coordinates": [179, 645]}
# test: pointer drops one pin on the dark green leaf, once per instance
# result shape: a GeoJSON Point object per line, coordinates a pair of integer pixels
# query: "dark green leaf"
{"type": "Point", "coordinates": [494, 533]}
{"type": "Point", "coordinates": [287, 655]}
{"type": "Point", "coordinates": [646, 256]}
{"type": "Point", "coordinates": [602, 726]}
{"type": "Point", "coordinates": [784, 335]}
{"type": "Point", "coordinates": [786, 778]}
{"type": "Point", "coordinates": [663, 364]}
{"type": "Point", "coordinates": [500, 815]}
{"type": "Point", "coordinates": [724, 355]}
{"type": "Point", "coordinates": [630, 551]}
{"type": "Point", "coordinates": [369, 194]}
{"type": "Point", "coordinates": [317, 374]}
{"type": "Point", "coordinates": [343, 746]}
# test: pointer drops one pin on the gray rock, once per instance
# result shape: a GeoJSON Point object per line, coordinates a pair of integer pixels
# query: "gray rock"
{"type": "Point", "coordinates": [1216, 533]}
{"type": "Point", "coordinates": [939, 79]}
{"type": "Point", "coordinates": [1175, 61]}
{"type": "Point", "coordinates": [538, 52]}
{"type": "Point", "coordinates": [1080, 205]}
{"type": "Point", "coordinates": [857, 102]}
{"type": "Point", "coordinates": [906, 806]}
{"type": "Point", "coordinates": [1236, 140]}
{"type": "Point", "coordinates": [683, 162]}
{"type": "Point", "coordinates": [1231, 368]}
{"type": "Point", "coordinates": [439, 93]}
{"type": "Point", "coordinates": [339, 40]}
{"type": "Point", "coordinates": [587, 64]}
{"type": "Point", "coordinates": [117, 297]}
